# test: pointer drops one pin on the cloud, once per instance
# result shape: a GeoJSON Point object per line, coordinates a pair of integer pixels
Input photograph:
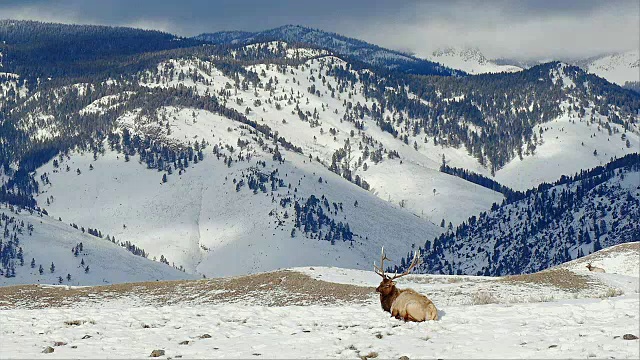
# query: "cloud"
{"type": "Point", "coordinates": [500, 28]}
{"type": "Point", "coordinates": [518, 32]}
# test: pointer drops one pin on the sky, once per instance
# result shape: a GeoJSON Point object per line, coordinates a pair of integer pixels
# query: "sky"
{"type": "Point", "coordinates": [521, 29]}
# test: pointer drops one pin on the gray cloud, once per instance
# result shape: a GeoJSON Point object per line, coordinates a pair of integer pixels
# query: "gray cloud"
{"type": "Point", "coordinates": [500, 28]}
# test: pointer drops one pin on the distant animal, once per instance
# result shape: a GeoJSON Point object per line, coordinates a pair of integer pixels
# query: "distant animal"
{"type": "Point", "coordinates": [405, 304]}
{"type": "Point", "coordinates": [595, 269]}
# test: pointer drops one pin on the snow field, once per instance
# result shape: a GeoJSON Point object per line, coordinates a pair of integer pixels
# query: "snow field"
{"type": "Point", "coordinates": [583, 328]}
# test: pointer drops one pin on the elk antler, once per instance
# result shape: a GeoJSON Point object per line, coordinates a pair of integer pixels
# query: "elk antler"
{"type": "Point", "coordinates": [414, 262]}
{"type": "Point", "coordinates": [380, 270]}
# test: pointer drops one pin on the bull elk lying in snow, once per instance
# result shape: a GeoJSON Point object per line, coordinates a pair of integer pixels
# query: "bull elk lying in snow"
{"type": "Point", "coordinates": [403, 304]}
{"type": "Point", "coordinates": [594, 269]}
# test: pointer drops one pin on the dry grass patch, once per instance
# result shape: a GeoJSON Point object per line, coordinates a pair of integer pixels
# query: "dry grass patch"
{"type": "Point", "coordinates": [483, 298]}
{"type": "Point", "coordinates": [278, 288]}
{"type": "Point", "coordinates": [612, 292]}
{"type": "Point", "coordinates": [559, 278]}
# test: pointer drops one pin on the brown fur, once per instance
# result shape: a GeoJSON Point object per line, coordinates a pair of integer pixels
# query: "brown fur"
{"type": "Point", "coordinates": [405, 304]}
{"type": "Point", "coordinates": [594, 269]}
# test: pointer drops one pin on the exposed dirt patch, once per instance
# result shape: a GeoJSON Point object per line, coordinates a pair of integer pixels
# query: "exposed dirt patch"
{"type": "Point", "coordinates": [559, 278]}
{"type": "Point", "coordinates": [277, 288]}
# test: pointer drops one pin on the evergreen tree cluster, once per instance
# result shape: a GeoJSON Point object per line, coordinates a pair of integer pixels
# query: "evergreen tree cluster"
{"type": "Point", "coordinates": [11, 253]}
{"type": "Point", "coordinates": [509, 194]}
{"type": "Point", "coordinates": [311, 218]}
{"type": "Point", "coordinates": [39, 50]}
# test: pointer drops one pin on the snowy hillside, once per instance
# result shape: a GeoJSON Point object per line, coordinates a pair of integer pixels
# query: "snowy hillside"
{"type": "Point", "coordinates": [32, 242]}
{"type": "Point", "coordinates": [618, 259]}
{"type": "Point", "coordinates": [469, 60]}
{"type": "Point", "coordinates": [550, 226]}
{"type": "Point", "coordinates": [203, 220]}
{"type": "Point", "coordinates": [238, 225]}
{"type": "Point", "coordinates": [576, 138]}
{"type": "Point", "coordinates": [568, 144]}
{"type": "Point", "coordinates": [329, 313]}
{"type": "Point", "coordinates": [618, 68]}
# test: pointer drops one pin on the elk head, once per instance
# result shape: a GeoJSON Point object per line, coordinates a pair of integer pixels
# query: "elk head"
{"type": "Point", "coordinates": [387, 285]}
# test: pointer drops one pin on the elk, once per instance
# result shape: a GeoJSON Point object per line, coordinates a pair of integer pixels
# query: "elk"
{"type": "Point", "coordinates": [594, 269]}
{"type": "Point", "coordinates": [405, 304]}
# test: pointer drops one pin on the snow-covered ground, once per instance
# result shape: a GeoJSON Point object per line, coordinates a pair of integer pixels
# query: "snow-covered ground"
{"type": "Point", "coordinates": [526, 319]}
{"type": "Point", "coordinates": [561, 330]}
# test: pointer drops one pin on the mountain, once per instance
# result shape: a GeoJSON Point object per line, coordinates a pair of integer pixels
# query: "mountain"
{"type": "Point", "coordinates": [618, 68]}
{"type": "Point", "coordinates": [553, 224]}
{"type": "Point", "coordinates": [33, 240]}
{"type": "Point", "coordinates": [469, 60]}
{"type": "Point", "coordinates": [621, 68]}
{"type": "Point", "coordinates": [351, 49]}
{"type": "Point", "coordinates": [47, 50]}
{"type": "Point", "coordinates": [235, 159]}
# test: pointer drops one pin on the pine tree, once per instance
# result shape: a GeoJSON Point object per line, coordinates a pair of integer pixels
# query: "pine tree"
{"type": "Point", "coordinates": [596, 245]}
{"type": "Point", "coordinates": [41, 269]}
{"type": "Point", "coordinates": [86, 270]}
{"type": "Point", "coordinates": [60, 279]}
{"type": "Point", "coordinates": [52, 268]}
{"type": "Point", "coordinates": [33, 263]}
{"type": "Point", "coordinates": [68, 277]}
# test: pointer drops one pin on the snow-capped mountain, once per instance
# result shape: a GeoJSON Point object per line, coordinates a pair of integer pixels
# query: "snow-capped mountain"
{"type": "Point", "coordinates": [37, 249]}
{"type": "Point", "coordinates": [618, 68]}
{"type": "Point", "coordinates": [469, 60]}
{"type": "Point", "coordinates": [340, 45]}
{"type": "Point", "coordinates": [243, 158]}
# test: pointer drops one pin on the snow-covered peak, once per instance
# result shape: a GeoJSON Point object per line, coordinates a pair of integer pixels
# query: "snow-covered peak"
{"type": "Point", "coordinates": [617, 68]}
{"type": "Point", "coordinates": [469, 59]}
{"type": "Point", "coordinates": [467, 54]}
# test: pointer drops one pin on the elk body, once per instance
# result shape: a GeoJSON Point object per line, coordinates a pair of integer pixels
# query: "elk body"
{"type": "Point", "coordinates": [405, 304]}
{"type": "Point", "coordinates": [594, 269]}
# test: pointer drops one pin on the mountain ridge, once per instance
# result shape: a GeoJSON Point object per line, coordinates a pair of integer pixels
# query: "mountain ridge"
{"type": "Point", "coordinates": [341, 45]}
